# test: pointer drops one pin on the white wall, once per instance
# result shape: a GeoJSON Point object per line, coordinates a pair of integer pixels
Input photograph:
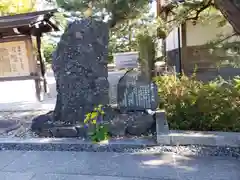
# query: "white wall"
{"type": "Point", "coordinates": [202, 33]}
{"type": "Point", "coordinates": [172, 40]}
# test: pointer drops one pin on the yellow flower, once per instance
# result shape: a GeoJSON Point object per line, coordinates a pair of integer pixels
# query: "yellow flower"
{"type": "Point", "coordinates": [86, 120]}
{"type": "Point", "coordinates": [94, 121]}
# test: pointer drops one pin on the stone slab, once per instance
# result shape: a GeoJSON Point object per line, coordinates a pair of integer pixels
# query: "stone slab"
{"type": "Point", "coordinates": [136, 93]}
{"type": "Point", "coordinates": [173, 137]}
{"type": "Point", "coordinates": [118, 166]}
{"type": "Point", "coordinates": [199, 168]}
{"type": "Point", "coordinates": [96, 164]}
{"type": "Point", "coordinates": [16, 176]}
{"type": "Point", "coordinates": [81, 177]}
{"type": "Point", "coordinates": [7, 157]}
{"type": "Point", "coordinates": [162, 128]}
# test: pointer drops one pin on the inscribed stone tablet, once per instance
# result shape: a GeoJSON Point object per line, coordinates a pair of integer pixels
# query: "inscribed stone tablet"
{"type": "Point", "coordinates": [135, 93]}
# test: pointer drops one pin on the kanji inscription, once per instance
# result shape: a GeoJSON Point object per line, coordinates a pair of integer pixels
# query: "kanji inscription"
{"type": "Point", "coordinates": [13, 59]}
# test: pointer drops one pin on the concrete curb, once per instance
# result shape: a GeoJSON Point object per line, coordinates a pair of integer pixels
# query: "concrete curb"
{"type": "Point", "coordinates": [204, 138]}
{"type": "Point", "coordinates": [73, 144]}
{"type": "Point", "coordinates": [229, 139]}
{"type": "Point", "coordinates": [139, 145]}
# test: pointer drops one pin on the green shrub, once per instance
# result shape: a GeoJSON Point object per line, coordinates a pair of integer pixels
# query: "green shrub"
{"type": "Point", "coordinates": [147, 50]}
{"type": "Point", "coordinates": [48, 49]}
{"type": "Point", "coordinates": [193, 105]}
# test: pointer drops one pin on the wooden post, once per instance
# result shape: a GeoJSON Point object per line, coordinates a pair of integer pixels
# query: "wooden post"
{"type": "Point", "coordinates": [158, 4]}
{"type": "Point", "coordinates": [42, 62]}
{"type": "Point", "coordinates": [42, 84]}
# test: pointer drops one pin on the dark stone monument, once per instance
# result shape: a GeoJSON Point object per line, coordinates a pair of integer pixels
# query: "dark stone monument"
{"type": "Point", "coordinates": [80, 68]}
{"type": "Point", "coordinates": [136, 93]}
{"type": "Point", "coordinates": [137, 100]}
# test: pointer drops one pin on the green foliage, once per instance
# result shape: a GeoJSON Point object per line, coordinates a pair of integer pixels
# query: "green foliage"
{"type": "Point", "coordinates": [146, 48]}
{"type": "Point", "coordinates": [193, 105]}
{"type": "Point", "coordinates": [123, 37]}
{"type": "Point", "coordinates": [192, 10]}
{"type": "Point", "coordinates": [117, 10]}
{"type": "Point", "coordinates": [11, 7]}
{"type": "Point", "coordinates": [93, 121]}
{"type": "Point", "coordinates": [224, 49]}
{"type": "Point", "coordinates": [48, 49]}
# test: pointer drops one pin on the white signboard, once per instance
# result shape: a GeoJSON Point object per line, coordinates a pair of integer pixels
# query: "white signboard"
{"type": "Point", "coordinates": [13, 59]}
{"type": "Point", "coordinates": [126, 60]}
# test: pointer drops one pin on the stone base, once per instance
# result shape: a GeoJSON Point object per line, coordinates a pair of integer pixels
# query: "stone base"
{"type": "Point", "coordinates": [118, 124]}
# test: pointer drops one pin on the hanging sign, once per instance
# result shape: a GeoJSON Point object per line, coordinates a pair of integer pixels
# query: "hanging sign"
{"type": "Point", "coordinates": [126, 60]}
{"type": "Point", "coordinates": [14, 59]}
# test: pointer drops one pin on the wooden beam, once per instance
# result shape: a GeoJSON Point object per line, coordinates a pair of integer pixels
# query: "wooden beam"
{"type": "Point", "coordinates": [158, 4]}
{"type": "Point", "coordinates": [20, 78]}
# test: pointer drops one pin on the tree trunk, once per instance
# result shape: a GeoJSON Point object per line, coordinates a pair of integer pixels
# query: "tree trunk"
{"type": "Point", "coordinates": [231, 11]}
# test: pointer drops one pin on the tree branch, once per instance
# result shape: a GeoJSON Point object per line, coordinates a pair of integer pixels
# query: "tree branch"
{"type": "Point", "coordinates": [226, 38]}
{"type": "Point", "coordinates": [203, 6]}
{"type": "Point", "coordinates": [198, 12]}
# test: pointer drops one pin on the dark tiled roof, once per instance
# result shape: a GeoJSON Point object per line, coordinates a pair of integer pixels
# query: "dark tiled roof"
{"type": "Point", "coordinates": [27, 20]}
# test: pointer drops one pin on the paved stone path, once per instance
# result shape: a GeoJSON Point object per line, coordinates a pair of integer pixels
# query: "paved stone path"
{"type": "Point", "coordinates": [18, 101]}
{"type": "Point", "coordinates": [20, 95]}
{"type": "Point", "coordinates": [46, 165]}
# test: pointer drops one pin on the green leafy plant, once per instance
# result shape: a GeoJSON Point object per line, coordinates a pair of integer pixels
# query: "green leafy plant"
{"type": "Point", "coordinates": [94, 122]}
{"type": "Point", "coordinates": [236, 82]}
{"type": "Point", "coordinates": [48, 49]}
{"type": "Point", "coordinates": [146, 47]}
{"type": "Point", "coordinates": [193, 105]}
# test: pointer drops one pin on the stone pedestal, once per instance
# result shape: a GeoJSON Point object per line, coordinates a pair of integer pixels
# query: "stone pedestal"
{"type": "Point", "coordinates": [162, 128]}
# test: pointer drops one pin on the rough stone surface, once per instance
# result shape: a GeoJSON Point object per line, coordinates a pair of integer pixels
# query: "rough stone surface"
{"type": "Point", "coordinates": [9, 125]}
{"type": "Point", "coordinates": [136, 93]}
{"type": "Point", "coordinates": [140, 124]}
{"type": "Point", "coordinates": [41, 124]}
{"type": "Point", "coordinates": [82, 131]}
{"type": "Point", "coordinates": [118, 125]}
{"type": "Point", "coordinates": [80, 69]}
{"type": "Point", "coordinates": [70, 131]}
{"type": "Point", "coordinates": [131, 123]}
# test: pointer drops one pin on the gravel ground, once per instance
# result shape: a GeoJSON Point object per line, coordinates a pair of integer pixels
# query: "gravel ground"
{"type": "Point", "coordinates": [199, 151]}
{"type": "Point", "coordinates": [25, 118]}
{"type": "Point", "coordinates": [25, 133]}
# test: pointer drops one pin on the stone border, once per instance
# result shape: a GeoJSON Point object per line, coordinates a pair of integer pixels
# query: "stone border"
{"type": "Point", "coordinates": [139, 145]}
{"type": "Point", "coordinates": [74, 144]}
{"type": "Point", "coordinates": [199, 138]}
{"type": "Point", "coordinates": [205, 138]}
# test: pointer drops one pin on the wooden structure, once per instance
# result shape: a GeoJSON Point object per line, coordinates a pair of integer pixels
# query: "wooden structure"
{"type": "Point", "coordinates": [19, 60]}
{"type": "Point", "coordinates": [194, 52]}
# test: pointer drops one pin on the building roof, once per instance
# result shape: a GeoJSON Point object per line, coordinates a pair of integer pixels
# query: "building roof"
{"type": "Point", "coordinates": [28, 23]}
